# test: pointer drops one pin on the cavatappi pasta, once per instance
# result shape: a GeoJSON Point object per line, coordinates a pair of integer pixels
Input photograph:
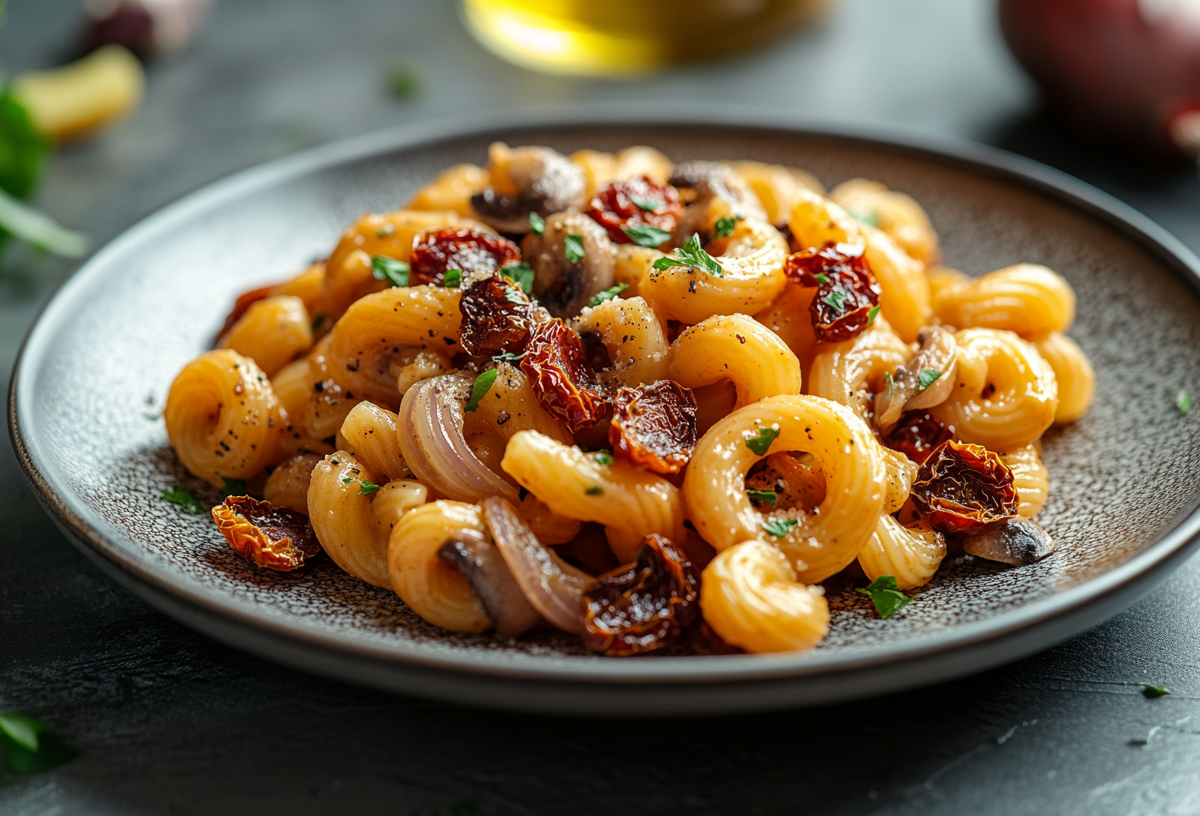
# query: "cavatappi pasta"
{"type": "Point", "coordinates": [713, 379]}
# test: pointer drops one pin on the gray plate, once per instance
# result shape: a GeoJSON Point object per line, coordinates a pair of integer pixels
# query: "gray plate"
{"type": "Point", "coordinates": [1125, 481]}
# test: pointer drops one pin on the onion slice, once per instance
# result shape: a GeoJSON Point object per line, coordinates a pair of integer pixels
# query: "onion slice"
{"type": "Point", "coordinates": [484, 568]}
{"type": "Point", "coordinates": [552, 586]}
{"type": "Point", "coordinates": [430, 429]}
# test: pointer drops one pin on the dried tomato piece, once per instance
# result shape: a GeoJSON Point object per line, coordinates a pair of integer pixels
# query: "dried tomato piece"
{"type": "Point", "coordinates": [243, 303]}
{"type": "Point", "coordinates": [273, 537]}
{"type": "Point", "coordinates": [557, 367]}
{"type": "Point", "coordinates": [916, 434]}
{"type": "Point", "coordinates": [963, 489]}
{"type": "Point", "coordinates": [624, 204]}
{"type": "Point", "coordinates": [496, 317]}
{"type": "Point", "coordinates": [642, 606]}
{"type": "Point", "coordinates": [435, 251]}
{"type": "Point", "coordinates": [654, 426]}
{"type": "Point", "coordinates": [846, 289]}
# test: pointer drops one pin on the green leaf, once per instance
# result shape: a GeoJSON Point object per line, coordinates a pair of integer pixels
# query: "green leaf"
{"type": "Point", "coordinates": [51, 751]}
{"type": "Point", "coordinates": [724, 227]}
{"type": "Point", "coordinates": [886, 595]}
{"type": "Point", "coordinates": [927, 377]}
{"type": "Point", "coordinates": [389, 269]}
{"type": "Point", "coordinates": [835, 301]}
{"type": "Point", "coordinates": [594, 490]}
{"type": "Point", "coordinates": [22, 149]}
{"type": "Point", "coordinates": [779, 527]}
{"type": "Point", "coordinates": [761, 443]}
{"type": "Point", "coordinates": [521, 274]}
{"type": "Point", "coordinates": [479, 389]}
{"type": "Point", "coordinates": [1153, 691]}
{"type": "Point", "coordinates": [603, 458]}
{"type": "Point", "coordinates": [453, 279]}
{"type": "Point", "coordinates": [403, 81]}
{"type": "Point", "coordinates": [870, 217]}
{"type": "Point", "coordinates": [890, 383]}
{"type": "Point", "coordinates": [765, 496]}
{"type": "Point", "coordinates": [537, 224]}
{"type": "Point", "coordinates": [1183, 402]}
{"type": "Point", "coordinates": [508, 357]}
{"type": "Point", "coordinates": [647, 204]}
{"type": "Point", "coordinates": [871, 315]}
{"type": "Point", "coordinates": [233, 487]}
{"type": "Point", "coordinates": [22, 729]}
{"type": "Point", "coordinates": [821, 279]}
{"type": "Point", "coordinates": [692, 255]}
{"type": "Point", "coordinates": [317, 322]}
{"type": "Point", "coordinates": [646, 235]}
{"type": "Point", "coordinates": [573, 247]}
{"type": "Point", "coordinates": [368, 488]}
{"type": "Point", "coordinates": [39, 230]}
{"type": "Point", "coordinates": [608, 294]}
{"type": "Point", "coordinates": [183, 497]}
{"type": "Point", "coordinates": [347, 480]}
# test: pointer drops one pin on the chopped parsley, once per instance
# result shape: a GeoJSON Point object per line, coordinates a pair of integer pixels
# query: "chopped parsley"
{"type": "Point", "coordinates": [724, 227]}
{"type": "Point", "coordinates": [870, 217]}
{"type": "Point", "coordinates": [27, 746]}
{"type": "Point", "coordinates": [821, 279]}
{"type": "Point", "coordinates": [1153, 691]}
{"type": "Point", "coordinates": [233, 487]}
{"type": "Point", "coordinates": [368, 488]}
{"type": "Point", "coordinates": [835, 301]}
{"type": "Point", "coordinates": [647, 204]}
{"type": "Point", "coordinates": [453, 279]}
{"type": "Point", "coordinates": [608, 294]}
{"type": "Point", "coordinates": [1183, 402]}
{"type": "Point", "coordinates": [403, 81]}
{"type": "Point", "coordinates": [317, 322]}
{"type": "Point", "coordinates": [537, 224]}
{"type": "Point", "coordinates": [521, 274]}
{"type": "Point", "coordinates": [347, 480]}
{"type": "Point", "coordinates": [184, 498]}
{"type": "Point", "coordinates": [573, 247]}
{"type": "Point", "coordinates": [871, 315]}
{"type": "Point", "coordinates": [761, 443]}
{"type": "Point", "coordinates": [886, 595]}
{"type": "Point", "coordinates": [779, 527]}
{"type": "Point", "coordinates": [927, 377]}
{"type": "Point", "coordinates": [889, 382]}
{"type": "Point", "coordinates": [691, 254]}
{"type": "Point", "coordinates": [646, 236]}
{"type": "Point", "coordinates": [479, 389]}
{"type": "Point", "coordinates": [594, 490]}
{"type": "Point", "coordinates": [603, 458]}
{"type": "Point", "coordinates": [389, 269]}
{"type": "Point", "coordinates": [508, 357]}
{"type": "Point", "coordinates": [765, 496]}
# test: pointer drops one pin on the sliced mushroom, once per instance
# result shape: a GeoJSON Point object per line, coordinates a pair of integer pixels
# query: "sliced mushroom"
{"type": "Point", "coordinates": [564, 286]}
{"type": "Point", "coordinates": [1015, 541]}
{"type": "Point", "coordinates": [710, 180]}
{"type": "Point", "coordinates": [527, 180]}
{"type": "Point", "coordinates": [924, 381]}
{"type": "Point", "coordinates": [484, 568]}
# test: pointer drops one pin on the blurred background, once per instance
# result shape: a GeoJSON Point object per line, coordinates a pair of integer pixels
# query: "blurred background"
{"type": "Point", "coordinates": [87, 148]}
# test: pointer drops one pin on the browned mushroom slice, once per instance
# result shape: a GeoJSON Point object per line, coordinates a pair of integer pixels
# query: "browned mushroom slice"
{"type": "Point", "coordinates": [1016, 541]}
{"type": "Point", "coordinates": [923, 382]}
{"type": "Point", "coordinates": [531, 179]}
{"type": "Point", "coordinates": [707, 180]}
{"type": "Point", "coordinates": [502, 599]}
{"type": "Point", "coordinates": [573, 260]}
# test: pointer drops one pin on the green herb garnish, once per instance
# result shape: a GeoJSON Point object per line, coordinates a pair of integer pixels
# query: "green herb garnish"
{"type": "Point", "coordinates": [389, 269]}
{"type": "Point", "coordinates": [537, 224]}
{"type": "Point", "coordinates": [691, 254]}
{"type": "Point", "coordinates": [724, 227]}
{"type": "Point", "coordinates": [521, 274]}
{"type": "Point", "coordinates": [573, 247]}
{"type": "Point", "coordinates": [765, 496]}
{"type": "Point", "coordinates": [1183, 401]}
{"type": "Point", "coordinates": [779, 527]}
{"type": "Point", "coordinates": [479, 389]}
{"type": "Point", "coordinates": [508, 357]}
{"type": "Point", "coordinates": [1153, 691]}
{"type": "Point", "coordinates": [886, 595]}
{"type": "Point", "coordinates": [403, 81]}
{"type": "Point", "coordinates": [27, 746]}
{"type": "Point", "coordinates": [184, 498]}
{"type": "Point", "coordinates": [889, 382]}
{"type": "Point", "coordinates": [646, 235]}
{"type": "Point", "coordinates": [871, 315]}
{"type": "Point", "coordinates": [348, 480]}
{"type": "Point", "coordinates": [821, 279]}
{"type": "Point", "coordinates": [761, 443]}
{"type": "Point", "coordinates": [594, 490]}
{"type": "Point", "coordinates": [603, 458]}
{"type": "Point", "coordinates": [927, 377]}
{"type": "Point", "coordinates": [835, 301]}
{"type": "Point", "coordinates": [368, 488]}
{"type": "Point", "coordinates": [453, 279]}
{"type": "Point", "coordinates": [608, 294]}
{"type": "Point", "coordinates": [318, 321]}
{"type": "Point", "coordinates": [870, 218]}
{"type": "Point", "coordinates": [647, 204]}
{"type": "Point", "coordinates": [233, 487]}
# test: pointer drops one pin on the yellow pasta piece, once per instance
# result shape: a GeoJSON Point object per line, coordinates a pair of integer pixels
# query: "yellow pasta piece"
{"type": "Point", "coordinates": [293, 387]}
{"type": "Point", "coordinates": [1074, 373]}
{"type": "Point", "coordinates": [548, 526]}
{"type": "Point", "coordinates": [511, 406]}
{"type": "Point", "coordinates": [751, 598]}
{"type": "Point", "coordinates": [822, 541]}
{"type": "Point", "coordinates": [307, 286]}
{"type": "Point", "coordinates": [431, 586]}
{"type": "Point", "coordinates": [222, 417]}
{"type": "Point", "coordinates": [369, 432]}
{"type": "Point", "coordinates": [851, 372]}
{"type": "Point", "coordinates": [789, 317]}
{"type": "Point", "coordinates": [601, 169]}
{"type": "Point", "coordinates": [393, 501]}
{"type": "Point", "coordinates": [1028, 299]}
{"type": "Point", "coordinates": [910, 554]}
{"type": "Point", "coordinates": [896, 214]}
{"type": "Point", "coordinates": [944, 284]}
{"type": "Point", "coordinates": [634, 338]}
{"type": "Point", "coordinates": [341, 517]}
{"type": "Point", "coordinates": [451, 191]}
{"type": "Point", "coordinates": [329, 397]}
{"type": "Point", "coordinates": [273, 332]}
{"type": "Point", "coordinates": [739, 349]}
{"type": "Point", "coordinates": [288, 484]}
{"type": "Point", "coordinates": [777, 187]}
{"type": "Point", "coordinates": [1005, 395]}
{"type": "Point", "coordinates": [1030, 477]}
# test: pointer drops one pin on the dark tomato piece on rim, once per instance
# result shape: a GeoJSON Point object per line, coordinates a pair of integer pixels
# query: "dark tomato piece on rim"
{"type": "Point", "coordinates": [277, 538]}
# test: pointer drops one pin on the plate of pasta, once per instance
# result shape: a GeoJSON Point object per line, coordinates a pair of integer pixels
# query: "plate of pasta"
{"type": "Point", "coordinates": [662, 415]}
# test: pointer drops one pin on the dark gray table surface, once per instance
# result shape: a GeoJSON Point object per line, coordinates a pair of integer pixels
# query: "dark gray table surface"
{"type": "Point", "coordinates": [169, 721]}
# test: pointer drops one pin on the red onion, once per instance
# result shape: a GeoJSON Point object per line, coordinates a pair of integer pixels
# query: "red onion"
{"type": "Point", "coordinates": [430, 427]}
{"type": "Point", "coordinates": [1122, 70]}
{"type": "Point", "coordinates": [485, 570]}
{"type": "Point", "coordinates": [551, 585]}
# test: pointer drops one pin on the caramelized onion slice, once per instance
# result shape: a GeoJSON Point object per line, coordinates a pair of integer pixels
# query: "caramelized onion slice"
{"type": "Point", "coordinates": [551, 585]}
{"type": "Point", "coordinates": [1016, 541]}
{"type": "Point", "coordinates": [484, 568]}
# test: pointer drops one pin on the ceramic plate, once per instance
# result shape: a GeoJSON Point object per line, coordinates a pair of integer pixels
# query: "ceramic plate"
{"type": "Point", "coordinates": [94, 372]}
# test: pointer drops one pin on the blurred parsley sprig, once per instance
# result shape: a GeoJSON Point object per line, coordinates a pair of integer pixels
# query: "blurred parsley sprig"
{"type": "Point", "coordinates": [27, 746]}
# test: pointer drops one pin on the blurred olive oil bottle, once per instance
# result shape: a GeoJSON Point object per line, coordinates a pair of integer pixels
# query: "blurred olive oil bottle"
{"type": "Point", "coordinates": [628, 38]}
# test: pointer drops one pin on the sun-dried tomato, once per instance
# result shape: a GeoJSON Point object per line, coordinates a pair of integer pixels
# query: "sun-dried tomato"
{"type": "Point", "coordinates": [496, 317]}
{"type": "Point", "coordinates": [642, 606]}
{"type": "Point", "coordinates": [273, 537]}
{"type": "Point", "coordinates": [846, 289]}
{"type": "Point", "coordinates": [654, 426]}
{"type": "Point", "coordinates": [557, 367]}
{"type": "Point", "coordinates": [916, 434]}
{"type": "Point", "coordinates": [621, 205]}
{"type": "Point", "coordinates": [243, 303]}
{"type": "Point", "coordinates": [963, 489]}
{"type": "Point", "coordinates": [435, 251]}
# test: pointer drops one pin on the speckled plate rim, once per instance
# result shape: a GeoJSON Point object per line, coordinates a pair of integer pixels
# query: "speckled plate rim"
{"type": "Point", "coordinates": [402, 665]}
